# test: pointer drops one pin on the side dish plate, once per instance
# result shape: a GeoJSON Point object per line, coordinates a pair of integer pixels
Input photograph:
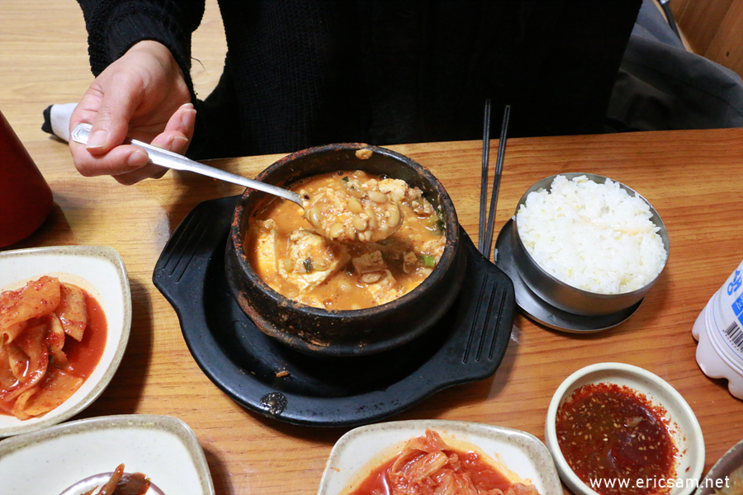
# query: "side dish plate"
{"type": "Point", "coordinates": [520, 451]}
{"type": "Point", "coordinates": [162, 447]}
{"type": "Point", "coordinates": [278, 382]}
{"type": "Point", "coordinates": [101, 272]}
{"type": "Point", "coordinates": [726, 476]}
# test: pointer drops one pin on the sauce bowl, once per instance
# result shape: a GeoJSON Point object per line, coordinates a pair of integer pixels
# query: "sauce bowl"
{"type": "Point", "coordinates": [321, 332]}
{"type": "Point", "coordinates": [679, 418]}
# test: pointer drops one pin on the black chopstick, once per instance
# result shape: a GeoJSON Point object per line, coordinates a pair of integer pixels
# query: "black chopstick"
{"type": "Point", "coordinates": [496, 182]}
{"type": "Point", "coordinates": [484, 177]}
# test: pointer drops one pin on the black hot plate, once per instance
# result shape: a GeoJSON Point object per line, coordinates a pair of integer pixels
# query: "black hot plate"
{"type": "Point", "coordinates": [275, 381]}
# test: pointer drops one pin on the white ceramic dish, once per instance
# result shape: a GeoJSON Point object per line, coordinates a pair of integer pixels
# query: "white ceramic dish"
{"type": "Point", "coordinates": [521, 452]}
{"type": "Point", "coordinates": [726, 476]}
{"type": "Point", "coordinates": [100, 271]}
{"type": "Point", "coordinates": [49, 461]}
{"type": "Point", "coordinates": [684, 427]}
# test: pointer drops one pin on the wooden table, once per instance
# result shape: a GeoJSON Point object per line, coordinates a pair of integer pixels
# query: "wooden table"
{"type": "Point", "coordinates": [692, 178]}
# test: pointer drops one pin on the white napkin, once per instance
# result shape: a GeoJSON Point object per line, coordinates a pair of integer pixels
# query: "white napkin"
{"type": "Point", "coordinates": [57, 120]}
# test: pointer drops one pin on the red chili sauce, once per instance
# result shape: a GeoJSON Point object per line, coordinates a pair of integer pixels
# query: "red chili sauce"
{"type": "Point", "coordinates": [84, 356]}
{"type": "Point", "coordinates": [483, 476]}
{"type": "Point", "coordinates": [612, 433]}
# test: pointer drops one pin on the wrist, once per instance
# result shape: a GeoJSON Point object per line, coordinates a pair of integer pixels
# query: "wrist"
{"type": "Point", "coordinates": [154, 49]}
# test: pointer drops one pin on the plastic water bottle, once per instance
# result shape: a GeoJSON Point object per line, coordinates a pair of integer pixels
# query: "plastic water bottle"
{"type": "Point", "coordinates": [719, 330]}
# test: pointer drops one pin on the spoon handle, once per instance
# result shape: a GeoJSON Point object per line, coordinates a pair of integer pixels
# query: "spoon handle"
{"type": "Point", "coordinates": [168, 159]}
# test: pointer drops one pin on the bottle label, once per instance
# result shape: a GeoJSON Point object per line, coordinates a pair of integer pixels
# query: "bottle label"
{"type": "Point", "coordinates": [727, 315]}
{"type": "Point", "coordinates": [733, 287]}
{"type": "Point", "coordinates": [734, 335]}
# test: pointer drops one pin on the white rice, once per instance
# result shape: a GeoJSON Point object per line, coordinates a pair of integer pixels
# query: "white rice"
{"type": "Point", "coordinates": [592, 236]}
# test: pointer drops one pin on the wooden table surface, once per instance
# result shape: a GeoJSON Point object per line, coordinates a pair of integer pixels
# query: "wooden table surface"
{"type": "Point", "coordinates": [692, 178]}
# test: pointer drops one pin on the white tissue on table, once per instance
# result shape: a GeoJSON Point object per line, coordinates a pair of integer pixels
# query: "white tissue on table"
{"type": "Point", "coordinates": [60, 119]}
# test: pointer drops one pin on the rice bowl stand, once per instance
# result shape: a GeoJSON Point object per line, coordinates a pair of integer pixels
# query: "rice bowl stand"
{"type": "Point", "coordinates": [554, 302]}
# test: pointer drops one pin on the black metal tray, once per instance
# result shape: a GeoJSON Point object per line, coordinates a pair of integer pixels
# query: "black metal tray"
{"type": "Point", "coordinates": [275, 381]}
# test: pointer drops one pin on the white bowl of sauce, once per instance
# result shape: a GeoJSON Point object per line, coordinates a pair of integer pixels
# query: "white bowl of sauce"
{"type": "Point", "coordinates": [614, 428]}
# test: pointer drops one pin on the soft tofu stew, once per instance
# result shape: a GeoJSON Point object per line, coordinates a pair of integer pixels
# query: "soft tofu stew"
{"type": "Point", "coordinates": [341, 267]}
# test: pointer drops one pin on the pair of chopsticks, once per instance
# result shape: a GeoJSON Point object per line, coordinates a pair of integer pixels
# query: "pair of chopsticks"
{"type": "Point", "coordinates": [487, 223]}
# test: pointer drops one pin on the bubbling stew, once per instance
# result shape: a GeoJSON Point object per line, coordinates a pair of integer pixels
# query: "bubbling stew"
{"type": "Point", "coordinates": [345, 266]}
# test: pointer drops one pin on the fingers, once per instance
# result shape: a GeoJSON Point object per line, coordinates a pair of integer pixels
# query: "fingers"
{"type": "Point", "coordinates": [120, 160]}
{"type": "Point", "coordinates": [179, 130]}
{"type": "Point", "coordinates": [175, 138]}
{"type": "Point", "coordinates": [130, 164]}
{"type": "Point", "coordinates": [137, 96]}
{"type": "Point", "coordinates": [102, 155]}
{"type": "Point", "coordinates": [149, 171]}
{"type": "Point", "coordinates": [183, 120]}
{"type": "Point", "coordinates": [111, 121]}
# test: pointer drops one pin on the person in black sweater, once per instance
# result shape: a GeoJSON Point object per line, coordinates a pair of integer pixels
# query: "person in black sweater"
{"type": "Point", "coordinates": [300, 73]}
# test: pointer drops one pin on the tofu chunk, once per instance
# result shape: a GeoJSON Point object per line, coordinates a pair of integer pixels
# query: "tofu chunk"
{"type": "Point", "coordinates": [369, 262]}
{"type": "Point", "coordinates": [312, 259]}
{"type": "Point", "coordinates": [266, 235]}
{"type": "Point", "coordinates": [385, 289]}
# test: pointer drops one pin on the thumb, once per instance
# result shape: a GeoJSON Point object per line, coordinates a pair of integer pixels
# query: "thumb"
{"type": "Point", "coordinates": [111, 123]}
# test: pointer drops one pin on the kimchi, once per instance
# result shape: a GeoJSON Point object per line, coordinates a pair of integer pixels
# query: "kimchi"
{"type": "Point", "coordinates": [428, 466]}
{"type": "Point", "coordinates": [41, 325]}
{"type": "Point", "coordinates": [122, 483]}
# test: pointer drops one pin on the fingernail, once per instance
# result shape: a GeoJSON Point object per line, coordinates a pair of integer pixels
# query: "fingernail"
{"type": "Point", "coordinates": [188, 118]}
{"type": "Point", "coordinates": [97, 139]}
{"type": "Point", "coordinates": [179, 142]}
{"type": "Point", "coordinates": [138, 158]}
{"type": "Point", "coordinates": [187, 106]}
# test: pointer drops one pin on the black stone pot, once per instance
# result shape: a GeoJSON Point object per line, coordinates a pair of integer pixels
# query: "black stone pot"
{"type": "Point", "coordinates": [355, 332]}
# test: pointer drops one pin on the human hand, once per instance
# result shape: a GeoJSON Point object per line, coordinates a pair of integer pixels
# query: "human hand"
{"type": "Point", "coordinates": [144, 96]}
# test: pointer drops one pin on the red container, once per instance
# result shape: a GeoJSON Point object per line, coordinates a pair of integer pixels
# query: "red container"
{"type": "Point", "coordinates": [25, 197]}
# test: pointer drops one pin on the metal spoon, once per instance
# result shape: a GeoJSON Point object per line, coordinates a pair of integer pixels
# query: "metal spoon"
{"type": "Point", "coordinates": [97, 480]}
{"type": "Point", "coordinates": [168, 159]}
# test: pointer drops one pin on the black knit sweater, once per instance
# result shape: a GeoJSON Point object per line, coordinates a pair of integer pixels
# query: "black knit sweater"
{"type": "Point", "coordinates": [304, 72]}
